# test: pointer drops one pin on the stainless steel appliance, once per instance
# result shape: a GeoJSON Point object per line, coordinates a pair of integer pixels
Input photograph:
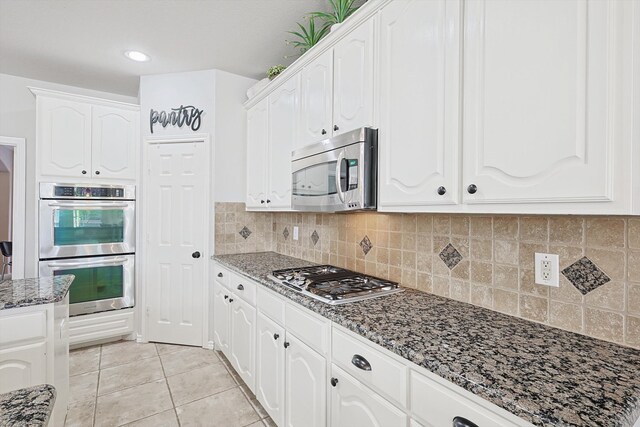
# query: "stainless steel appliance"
{"type": "Point", "coordinates": [337, 174]}
{"type": "Point", "coordinates": [89, 231]}
{"type": "Point", "coordinates": [334, 285]}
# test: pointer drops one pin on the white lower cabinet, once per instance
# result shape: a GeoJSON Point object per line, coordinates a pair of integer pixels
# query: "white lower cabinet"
{"type": "Point", "coordinates": [270, 368]}
{"type": "Point", "coordinates": [354, 405]}
{"type": "Point", "coordinates": [243, 328]}
{"type": "Point", "coordinates": [221, 318]}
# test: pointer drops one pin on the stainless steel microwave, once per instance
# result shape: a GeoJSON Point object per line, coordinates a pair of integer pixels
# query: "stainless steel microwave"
{"type": "Point", "coordinates": [337, 174]}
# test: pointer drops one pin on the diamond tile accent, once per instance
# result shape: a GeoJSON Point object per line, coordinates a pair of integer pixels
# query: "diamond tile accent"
{"type": "Point", "coordinates": [585, 275]}
{"type": "Point", "coordinates": [315, 237]}
{"type": "Point", "coordinates": [285, 233]}
{"type": "Point", "coordinates": [450, 256]}
{"type": "Point", "coordinates": [245, 232]}
{"type": "Point", "coordinates": [366, 245]}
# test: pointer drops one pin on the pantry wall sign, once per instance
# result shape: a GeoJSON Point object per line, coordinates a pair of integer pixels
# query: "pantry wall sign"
{"type": "Point", "coordinates": [184, 115]}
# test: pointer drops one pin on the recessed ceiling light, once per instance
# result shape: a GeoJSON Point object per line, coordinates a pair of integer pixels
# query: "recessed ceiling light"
{"type": "Point", "coordinates": [134, 55]}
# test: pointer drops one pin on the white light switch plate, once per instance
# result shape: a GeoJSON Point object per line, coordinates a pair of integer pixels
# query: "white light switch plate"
{"type": "Point", "coordinates": [295, 233]}
{"type": "Point", "coordinates": [547, 269]}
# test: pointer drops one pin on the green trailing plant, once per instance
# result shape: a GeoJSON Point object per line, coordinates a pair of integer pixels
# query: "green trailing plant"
{"type": "Point", "coordinates": [275, 70]}
{"type": "Point", "coordinates": [342, 9]}
{"type": "Point", "coordinates": [308, 36]}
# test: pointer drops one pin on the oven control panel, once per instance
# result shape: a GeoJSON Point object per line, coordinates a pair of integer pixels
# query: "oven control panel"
{"type": "Point", "coordinates": [92, 192]}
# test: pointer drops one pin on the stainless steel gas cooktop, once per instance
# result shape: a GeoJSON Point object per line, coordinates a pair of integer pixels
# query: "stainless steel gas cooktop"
{"type": "Point", "coordinates": [334, 285]}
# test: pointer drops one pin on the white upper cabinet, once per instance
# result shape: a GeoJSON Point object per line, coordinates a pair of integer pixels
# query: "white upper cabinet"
{"type": "Point", "coordinates": [113, 144]}
{"type": "Point", "coordinates": [316, 97]}
{"type": "Point", "coordinates": [419, 102]}
{"type": "Point", "coordinates": [257, 141]}
{"type": "Point", "coordinates": [283, 110]}
{"type": "Point", "coordinates": [539, 100]}
{"type": "Point", "coordinates": [64, 137]}
{"type": "Point", "coordinates": [353, 79]}
{"type": "Point", "coordinates": [86, 138]}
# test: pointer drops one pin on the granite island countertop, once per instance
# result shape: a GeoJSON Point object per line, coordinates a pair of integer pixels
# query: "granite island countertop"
{"type": "Point", "coordinates": [31, 406]}
{"type": "Point", "coordinates": [544, 375]}
{"type": "Point", "coordinates": [37, 291]}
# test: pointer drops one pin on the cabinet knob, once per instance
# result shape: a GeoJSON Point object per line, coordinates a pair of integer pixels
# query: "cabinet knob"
{"type": "Point", "coordinates": [276, 336]}
{"type": "Point", "coordinates": [240, 287]}
{"type": "Point", "coordinates": [220, 274]}
{"type": "Point", "coordinates": [97, 172]}
{"type": "Point", "coordinates": [324, 132]}
{"type": "Point", "coordinates": [472, 189]}
{"type": "Point", "coordinates": [230, 299]}
{"type": "Point", "coordinates": [84, 172]}
{"type": "Point", "coordinates": [463, 422]}
{"type": "Point", "coordinates": [226, 297]}
{"type": "Point", "coordinates": [268, 201]}
{"type": "Point", "coordinates": [196, 254]}
{"type": "Point", "coordinates": [441, 191]}
{"type": "Point", "coordinates": [286, 344]}
{"type": "Point", "coordinates": [334, 382]}
{"type": "Point", "coordinates": [262, 202]}
{"type": "Point", "coordinates": [335, 127]}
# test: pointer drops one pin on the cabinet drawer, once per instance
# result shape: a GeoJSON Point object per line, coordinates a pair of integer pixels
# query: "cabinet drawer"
{"type": "Point", "coordinates": [271, 305]}
{"type": "Point", "coordinates": [221, 275]}
{"type": "Point", "coordinates": [436, 405]}
{"type": "Point", "coordinates": [23, 327]}
{"type": "Point", "coordinates": [385, 375]}
{"type": "Point", "coordinates": [310, 329]}
{"type": "Point", "coordinates": [243, 288]}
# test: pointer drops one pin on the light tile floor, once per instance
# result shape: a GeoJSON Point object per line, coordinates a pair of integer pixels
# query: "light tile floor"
{"type": "Point", "coordinates": [160, 385]}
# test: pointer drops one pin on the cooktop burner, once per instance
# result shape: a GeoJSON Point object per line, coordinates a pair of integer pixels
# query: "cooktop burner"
{"type": "Point", "coordinates": [334, 285]}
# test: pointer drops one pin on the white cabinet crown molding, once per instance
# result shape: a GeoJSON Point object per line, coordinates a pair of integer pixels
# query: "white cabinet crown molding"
{"type": "Point", "coordinates": [82, 98]}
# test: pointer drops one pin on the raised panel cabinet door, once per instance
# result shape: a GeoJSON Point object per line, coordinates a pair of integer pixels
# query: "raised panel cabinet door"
{"type": "Point", "coordinates": [541, 94]}
{"type": "Point", "coordinates": [353, 404]}
{"type": "Point", "coordinates": [419, 138]}
{"type": "Point", "coordinates": [316, 95]}
{"type": "Point", "coordinates": [243, 339]}
{"type": "Point", "coordinates": [270, 376]}
{"type": "Point", "coordinates": [23, 366]}
{"type": "Point", "coordinates": [64, 137]}
{"type": "Point", "coordinates": [114, 142]}
{"type": "Point", "coordinates": [221, 318]}
{"type": "Point", "coordinates": [283, 114]}
{"type": "Point", "coordinates": [306, 386]}
{"type": "Point", "coordinates": [353, 69]}
{"type": "Point", "coordinates": [257, 143]}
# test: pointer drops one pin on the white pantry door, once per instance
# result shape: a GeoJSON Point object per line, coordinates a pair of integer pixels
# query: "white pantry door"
{"type": "Point", "coordinates": [176, 215]}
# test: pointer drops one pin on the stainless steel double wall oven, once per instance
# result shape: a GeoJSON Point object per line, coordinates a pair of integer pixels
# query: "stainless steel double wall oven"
{"type": "Point", "coordinates": [89, 231]}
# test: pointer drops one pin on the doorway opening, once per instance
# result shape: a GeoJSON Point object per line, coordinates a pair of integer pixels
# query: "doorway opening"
{"type": "Point", "coordinates": [12, 207]}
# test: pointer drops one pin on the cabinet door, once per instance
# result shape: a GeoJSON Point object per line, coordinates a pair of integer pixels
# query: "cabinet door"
{"type": "Point", "coordinates": [243, 339]}
{"type": "Point", "coordinates": [306, 386]}
{"type": "Point", "coordinates": [353, 79]}
{"type": "Point", "coordinates": [270, 376]}
{"type": "Point", "coordinates": [419, 104]}
{"type": "Point", "coordinates": [538, 112]}
{"type": "Point", "coordinates": [283, 113]}
{"type": "Point", "coordinates": [64, 137]}
{"type": "Point", "coordinates": [257, 140]}
{"type": "Point", "coordinates": [353, 404]}
{"type": "Point", "coordinates": [316, 89]}
{"type": "Point", "coordinates": [114, 143]}
{"type": "Point", "coordinates": [221, 318]}
{"type": "Point", "coordinates": [23, 366]}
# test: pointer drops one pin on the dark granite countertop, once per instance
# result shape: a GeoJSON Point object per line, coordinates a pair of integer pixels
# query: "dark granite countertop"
{"type": "Point", "coordinates": [27, 292]}
{"type": "Point", "coordinates": [544, 375]}
{"type": "Point", "coordinates": [30, 406]}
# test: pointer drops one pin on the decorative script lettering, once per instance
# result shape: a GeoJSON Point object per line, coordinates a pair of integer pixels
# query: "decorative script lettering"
{"type": "Point", "coordinates": [185, 114]}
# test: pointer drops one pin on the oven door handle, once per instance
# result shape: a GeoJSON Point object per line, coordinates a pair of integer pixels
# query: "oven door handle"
{"type": "Point", "coordinates": [338, 181]}
{"type": "Point", "coordinates": [88, 205]}
{"type": "Point", "coordinates": [115, 261]}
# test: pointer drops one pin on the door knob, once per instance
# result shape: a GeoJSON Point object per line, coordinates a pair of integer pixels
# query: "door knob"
{"type": "Point", "coordinates": [196, 254]}
{"type": "Point", "coordinates": [335, 127]}
{"type": "Point", "coordinates": [334, 382]}
{"type": "Point", "coordinates": [472, 189]}
{"type": "Point", "coordinates": [441, 191]}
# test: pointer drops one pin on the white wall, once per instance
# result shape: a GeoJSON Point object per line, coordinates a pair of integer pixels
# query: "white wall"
{"type": "Point", "coordinates": [18, 119]}
{"type": "Point", "coordinates": [6, 190]}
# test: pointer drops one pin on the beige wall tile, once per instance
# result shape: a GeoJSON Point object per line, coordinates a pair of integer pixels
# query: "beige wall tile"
{"type": "Point", "coordinates": [505, 301]}
{"type": "Point", "coordinates": [459, 290]}
{"type": "Point", "coordinates": [633, 303]}
{"type": "Point", "coordinates": [441, 286]}
{"type": "Point", "coordinates": [534, 229]}
{"type": "Point", "coordinates": [608, 296]}
{"type": "Point", "coordinates": [527, 251]}
{"type": "Point", "coordinates": [505, 276]}
{"type": "Point", "coordinates": [461, 271]}
{"type": "Point", "coordinates": [481, 226]}
{"type": "Point", "coordinates": [565, 292]}
{"type": "Point", "coordinates": [605, 232]}
{"type": "Point", "coordinates": [566, 229]}
{"type": "Point", "coordinates": [602, 324]}
{"type": "Point", "coordinates": [565, 316]}
{"type": "Point", "coordinates": [481, 249]}
{"type": "Point", "coordinates": [424, 282]}
{"type": "Point", "coordinates": [460, 225]}
{"type": "Point", "coordinates": [481, 295]}
{"type": "Point", "coordinates": [633, 234]}
{"type": "Point", "coordinates": [442, 224]}
{"type": "Point", "coordinates": [611, 262]}
{"type": "Point", "coordinates": [481, 272]}
{"type": "Point", "coordinates": [505, 227]}
{"type": "Point", "coordinates": [409, 260]}
{"type": "Point", "coordinates": [505, 252]}
{"type": "Point", "coordinates": [534, 308]}
{"type": "Point", "coordinates": [528, 285]}
{"type": "Point", "coordinates": [423, 262]}
{"type": "Point", "coordinates": [634, 266]}
{"type": "Point", "coordinates": [632, 335]}
{"type": "Point", "coordinates": [425, 223]}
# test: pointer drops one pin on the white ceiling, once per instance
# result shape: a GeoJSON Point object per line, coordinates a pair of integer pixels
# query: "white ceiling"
{"type": "Point", "coordinates": [81, 42]}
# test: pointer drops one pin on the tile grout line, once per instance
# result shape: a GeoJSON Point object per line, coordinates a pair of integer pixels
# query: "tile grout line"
{"type": "Point", "coordinates": [167, 383]}
{"type": "Point", "coordinates": [95, 404]}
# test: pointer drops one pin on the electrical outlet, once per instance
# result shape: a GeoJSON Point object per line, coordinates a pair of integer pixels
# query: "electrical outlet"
{"type": "Point", "coordinates": [547, 269]}
{"type": "Point", "coordinates": [295, 233]}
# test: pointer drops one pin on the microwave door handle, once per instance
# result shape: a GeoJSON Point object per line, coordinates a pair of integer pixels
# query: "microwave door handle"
{"type": "Point", "coordinates": [338, 181]}
{"type": "Point", "coordinates": [88, 205]}
{"type": "Point", "coordinates": [115, 261]}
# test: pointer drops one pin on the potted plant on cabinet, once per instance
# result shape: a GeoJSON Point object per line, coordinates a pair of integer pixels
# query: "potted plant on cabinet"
{"type": "Point", "coordinates": [341, 10]}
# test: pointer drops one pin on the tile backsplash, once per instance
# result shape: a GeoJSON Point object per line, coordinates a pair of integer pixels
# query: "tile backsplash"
{"type": "Point", "coordinates": [484, 260]}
